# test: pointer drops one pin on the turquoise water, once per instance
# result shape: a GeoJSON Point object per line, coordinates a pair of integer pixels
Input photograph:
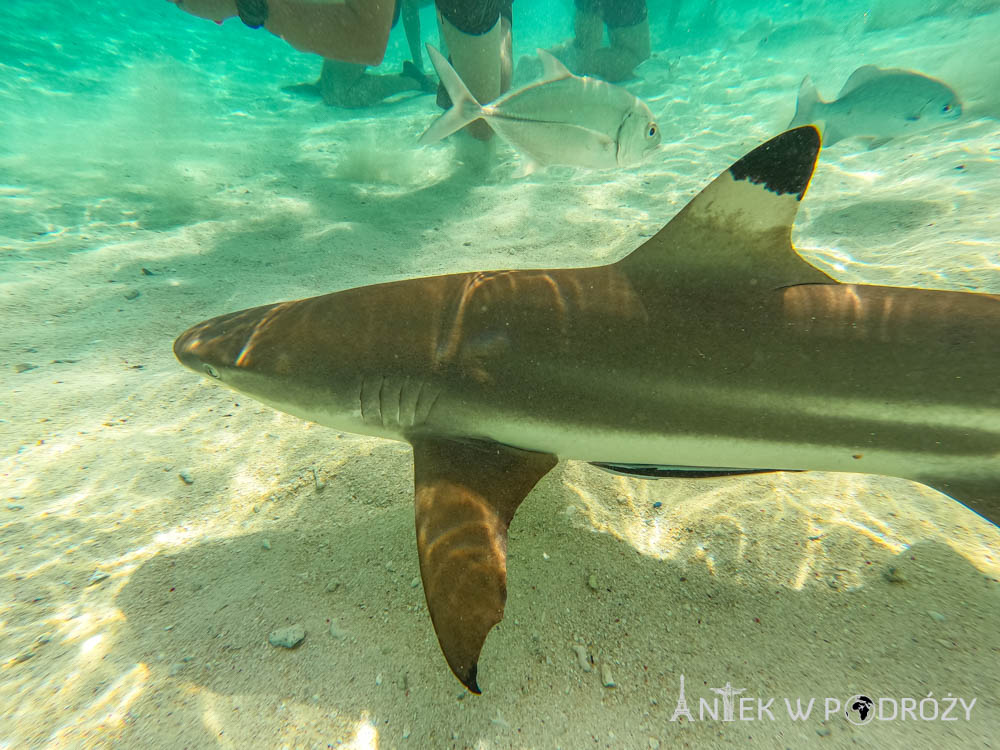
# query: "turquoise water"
{"type": "Point", "coordinates": [157, 170]}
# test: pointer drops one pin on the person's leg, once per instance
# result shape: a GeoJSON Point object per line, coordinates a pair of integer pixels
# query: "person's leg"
{"type": "Point", "coordinates": [632, 47]}
{"type": "Point", "coordinates": [477, 36]}
{"type": "Point", "coordinates": [588, 27]}
{"type": "Point", "coordinates": [628, 34]}
{"type": "Point", "coordinates": [506, 48]}
{"type": "Point", "coordinates": [411, 25]}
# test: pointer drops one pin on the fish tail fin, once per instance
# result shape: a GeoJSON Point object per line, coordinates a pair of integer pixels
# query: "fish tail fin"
{"type": "Point", "coordinates": [464, 108]}
{"type": "Point", "coordinates": [807, 105]}
{"type": "Point", "coordinates": [831, 135]}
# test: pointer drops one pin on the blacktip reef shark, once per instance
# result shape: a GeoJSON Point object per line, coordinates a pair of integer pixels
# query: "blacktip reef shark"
{"type": "Point", "coordinates": [712, 349]}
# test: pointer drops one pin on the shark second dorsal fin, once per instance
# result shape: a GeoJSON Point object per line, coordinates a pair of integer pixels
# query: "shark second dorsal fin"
{"type": "Point", "coordinates": [466, 495]}
{"type": "Point", "coordinates": [737, 231]}
{"type": "Point", "coordinates": [552, 68]}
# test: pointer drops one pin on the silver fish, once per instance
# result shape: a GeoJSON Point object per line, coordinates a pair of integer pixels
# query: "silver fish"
{"type": "Point", "coordinates": [880, 104]}
{"type": "Point", "coordinates": [559, 119]}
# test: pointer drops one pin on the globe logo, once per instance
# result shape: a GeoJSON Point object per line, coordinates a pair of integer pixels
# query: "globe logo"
{"type": "Point", "coordinates": [860, 709]}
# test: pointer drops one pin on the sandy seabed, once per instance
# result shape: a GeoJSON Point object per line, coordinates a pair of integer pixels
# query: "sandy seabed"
{"type": "Point", "coordinates": [136, 605]}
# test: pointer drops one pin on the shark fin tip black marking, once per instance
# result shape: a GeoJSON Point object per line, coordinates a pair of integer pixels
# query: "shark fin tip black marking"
{"type": "Point", "coordinates": [784, 164]}
{"type": "Point", "coordinates": [469, 680]}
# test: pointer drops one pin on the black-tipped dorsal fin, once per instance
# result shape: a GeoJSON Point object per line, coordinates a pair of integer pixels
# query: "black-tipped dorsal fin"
{"type": "Point", "coordinates": [466, 495]}
{"type": "Point", "coordinates": [737, 231]}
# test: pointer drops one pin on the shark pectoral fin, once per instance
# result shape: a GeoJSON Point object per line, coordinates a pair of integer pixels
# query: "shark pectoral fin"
{"type": "Point", "coordinates": [466, 495]}
{"type": "Point", "coordinates": [981, 494]}
{"type": "Point", "coordinates": [737, 231]}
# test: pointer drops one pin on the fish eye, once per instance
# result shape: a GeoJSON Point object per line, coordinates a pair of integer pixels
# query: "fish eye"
{"type": "Point", "coordinates": [212, 372]}
{"type": "Point", "coordinates": [652, 130]}
{"type": "Point", "coordinates": [946, 108]}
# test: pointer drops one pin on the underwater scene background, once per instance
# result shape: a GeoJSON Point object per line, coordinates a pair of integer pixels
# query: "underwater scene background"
{"type": "Point", "coordinates": [157, 169]}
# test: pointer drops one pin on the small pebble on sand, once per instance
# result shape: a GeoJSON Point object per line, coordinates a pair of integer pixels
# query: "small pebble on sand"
{"type": "Point", "coordinates": [288, 637]}
{"type": "Point", "coordinates": [97, 576]}
{"type": "Point", "coordinates": [606, 679]}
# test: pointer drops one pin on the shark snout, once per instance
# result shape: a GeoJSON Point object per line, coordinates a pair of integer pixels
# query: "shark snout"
{"type": "Point", "coordinates": [228, 341]}
{"type": "Point", "coordinates": [187, 345]}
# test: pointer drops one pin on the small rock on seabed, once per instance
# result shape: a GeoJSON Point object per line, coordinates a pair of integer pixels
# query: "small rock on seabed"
{"type": "Point", "coordinates": [606, 679]}
{"type": "Point", "coordinates": [289, 637]}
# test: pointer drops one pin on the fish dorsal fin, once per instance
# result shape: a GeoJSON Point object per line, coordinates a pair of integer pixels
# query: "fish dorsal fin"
{"type": "Point", "coordinates": [860, 76]}
{"type": "Point", "coordinates": [737, 231]}
{"type": "Point", "coordinates": [466, 495]}
{"type": "Point", "coordinates": [552, 69]}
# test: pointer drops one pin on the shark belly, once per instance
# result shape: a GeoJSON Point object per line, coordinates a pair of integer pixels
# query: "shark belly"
{"type": "Point", "coordinates": [828, 448]}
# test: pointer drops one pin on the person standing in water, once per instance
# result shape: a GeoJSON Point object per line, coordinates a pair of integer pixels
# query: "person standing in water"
{"type": "Point", "coordinates": [477, 32]}
{"type": "Point", "coordinates": [350, 85]}
{"type": "Point", "coordinates": [627, 23]}
{"type": "Point", "coordinates": [347, 30]}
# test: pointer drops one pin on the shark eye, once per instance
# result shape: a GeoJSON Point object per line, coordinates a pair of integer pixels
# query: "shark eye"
{"type": "Point", "coordinates": [212, 372]}
{"type": "Point", "coordinates": [651, 133]}
{"type": "Point", "coordinates": [946, 108]}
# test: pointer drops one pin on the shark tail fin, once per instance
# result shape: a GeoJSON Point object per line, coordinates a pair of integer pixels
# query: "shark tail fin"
{"type": "Point", "coordinates": [808, 107]}
{"type": "Point", "coordinates": [466, 495]}
{"type": "Point", "coordinates": [465, 108]}
{"type": "Point", "coordinates": [737, 232]}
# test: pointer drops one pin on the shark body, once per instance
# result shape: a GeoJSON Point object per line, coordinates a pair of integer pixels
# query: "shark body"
{"type": "Point", "coordinates": [713, 348]}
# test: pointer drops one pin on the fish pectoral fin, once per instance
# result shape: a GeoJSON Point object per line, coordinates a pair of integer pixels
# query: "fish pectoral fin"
{"type": "Point", "coordinates": [466, 494]}
{"type": "Point", "coordinates": [738, 230]}
{"type": "Point", "coordinates": [980, 494]}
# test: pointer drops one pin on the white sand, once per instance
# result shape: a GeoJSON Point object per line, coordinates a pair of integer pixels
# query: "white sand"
{"type": "Point", "coordinates": [789, 586]}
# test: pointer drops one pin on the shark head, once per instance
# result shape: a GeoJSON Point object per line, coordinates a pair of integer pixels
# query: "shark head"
{"type": "Point", "coordinates": [309, 374]}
